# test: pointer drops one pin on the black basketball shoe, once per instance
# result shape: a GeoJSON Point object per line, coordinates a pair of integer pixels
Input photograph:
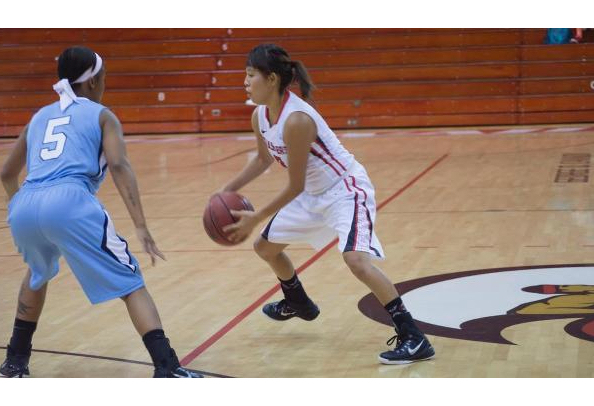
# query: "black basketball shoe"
{"type": "Point", "coordinates": [281, 310]}
{"type": "Point", "coordinates": [408, 349]}
{"type": "Point", "coordinates": [15, 365]}
{"type": "Point", "coordinates": [178, 372]}
{"type": "Point", "coordinates": [170, 368]}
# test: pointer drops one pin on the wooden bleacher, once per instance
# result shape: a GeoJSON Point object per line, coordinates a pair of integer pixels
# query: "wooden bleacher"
{"type": "Point", "coordinates": [191, 80]}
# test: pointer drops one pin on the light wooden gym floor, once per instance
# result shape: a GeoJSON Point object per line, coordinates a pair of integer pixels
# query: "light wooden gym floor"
{"type": "Point", "coordinates": [451, 201]}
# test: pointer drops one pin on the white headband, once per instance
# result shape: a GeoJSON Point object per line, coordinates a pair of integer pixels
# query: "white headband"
{"type": "Point", "coordinates": [89, 73]}
{"type": "Point", "coordinates": [63, 88]}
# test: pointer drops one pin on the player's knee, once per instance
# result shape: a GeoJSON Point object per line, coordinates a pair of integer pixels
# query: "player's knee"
{"type": "Point", "coordinates": [358, 265]}
{"type": "Point", "coordinates": [263, 250]}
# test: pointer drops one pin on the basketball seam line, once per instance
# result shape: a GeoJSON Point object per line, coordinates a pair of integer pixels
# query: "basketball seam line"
{"type": "Point", "coordinates": [216, 225]}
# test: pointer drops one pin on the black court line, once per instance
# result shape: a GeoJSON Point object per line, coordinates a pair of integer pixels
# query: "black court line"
{"type": "Point", "coordinates": [129, 361]}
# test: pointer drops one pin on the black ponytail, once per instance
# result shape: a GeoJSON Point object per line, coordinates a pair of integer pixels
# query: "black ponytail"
{"type": "Point", "coordinates": [302, 77]}
{"type": "Point", "coordinates": [270, 58]}
{"type": "Point", "coordinates": [74, 61]}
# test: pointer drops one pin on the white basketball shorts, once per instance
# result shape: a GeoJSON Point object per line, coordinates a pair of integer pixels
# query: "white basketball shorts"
{"type": "Point", "coordinates": [346, 210]}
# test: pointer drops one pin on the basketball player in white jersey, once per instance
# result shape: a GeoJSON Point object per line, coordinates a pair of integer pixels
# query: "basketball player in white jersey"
{"type": "Point", "coordinates": [328, 194]}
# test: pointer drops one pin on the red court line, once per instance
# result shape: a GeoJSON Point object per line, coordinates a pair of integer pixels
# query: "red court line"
{"type": "Point", "coordinates": [411, 182]}
{"type": "Point", "coordinates": [237, 319]}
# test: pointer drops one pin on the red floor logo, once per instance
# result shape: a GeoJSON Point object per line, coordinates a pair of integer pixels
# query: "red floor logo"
{"type": "Point", "coordinates": [479, 305]}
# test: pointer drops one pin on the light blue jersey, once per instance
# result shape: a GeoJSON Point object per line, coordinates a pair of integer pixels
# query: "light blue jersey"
{"type": "Point", "coordinates": [66, 145]}
{"type": "Point", "coordinates": [56, 212]}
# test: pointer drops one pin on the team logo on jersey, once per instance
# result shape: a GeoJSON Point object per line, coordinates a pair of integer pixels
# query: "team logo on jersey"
{"type": "Point", "coordinates": [479, 305]}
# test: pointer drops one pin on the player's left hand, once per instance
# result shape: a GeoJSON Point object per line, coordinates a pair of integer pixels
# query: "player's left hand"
{"type": "Point", "coordinates": [148, 244]}
{"type": "Point", "coordinates": [241, 229]}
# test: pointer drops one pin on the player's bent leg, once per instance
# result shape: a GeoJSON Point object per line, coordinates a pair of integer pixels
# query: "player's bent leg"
{"type": "Point", "coordinates": [411, 343]}
{"type": "Point", "coordinates": [296, 302]}
{"type": "Point", "coordinates": [361, 266]}
{"type": "Point", "coordinates": [146, 320]}
{"type": "Point", "coordinates": [142, 311]}
{"type": "Point", "coordinates": [18, 351]}
{"type": "Point", "coordinates": [30, 302]}
{"type": "Point", "coordinates": [273, 254]}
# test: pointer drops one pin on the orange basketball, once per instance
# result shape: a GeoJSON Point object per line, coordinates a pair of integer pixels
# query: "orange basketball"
{"type": "Point", "coordinates": [217, 215]}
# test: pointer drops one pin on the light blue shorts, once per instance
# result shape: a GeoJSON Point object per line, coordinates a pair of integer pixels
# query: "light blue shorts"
{"type": "Point", "coordinates": [66, 219]}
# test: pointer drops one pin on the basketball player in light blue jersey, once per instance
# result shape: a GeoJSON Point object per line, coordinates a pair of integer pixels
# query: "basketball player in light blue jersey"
{"type": "Point", "coordinates": [67, 147]}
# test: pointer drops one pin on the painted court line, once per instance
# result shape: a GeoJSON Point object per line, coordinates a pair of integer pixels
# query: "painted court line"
{"type": "Point", "coordinates": [464, 132]}
{"type": "Point", "coordinates": [247, 311]}
{"type": "Point", "coordinates": [128, 361]}
{"type": "Point", "coordinates": [358, 135]}
{"type": "Point", "coordinates": [517, 131]}
{"type": "Point", "coordinates": [564, 130]}
{"type": "Point", "coordinates": [152, 139]}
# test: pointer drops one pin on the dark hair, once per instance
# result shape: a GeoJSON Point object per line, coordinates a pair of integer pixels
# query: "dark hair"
{"type": "Point", "coordinates": [74, 61]}
{"type": "Point", "coordinates": [270, 58]}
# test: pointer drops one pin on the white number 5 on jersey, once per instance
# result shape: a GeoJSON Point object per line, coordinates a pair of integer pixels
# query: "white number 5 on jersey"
{"type": "Point", "coordinates": [51, 137]}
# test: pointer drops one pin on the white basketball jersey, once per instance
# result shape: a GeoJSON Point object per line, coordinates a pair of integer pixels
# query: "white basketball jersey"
{"type": "Point", "coordinates": [328, 160]}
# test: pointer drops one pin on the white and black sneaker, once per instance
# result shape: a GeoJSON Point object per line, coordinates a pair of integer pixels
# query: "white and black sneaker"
{"type": "Point", "coordinates": [407, 350]}
{"type": "Point", "coordinates": [178, 372]}
{"type": "Point", "coordinates": [15, 365]}
{"type": "Point", "coordinates": [170, 368]}
{"type": "Point", "coordinates": [281, 310]}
